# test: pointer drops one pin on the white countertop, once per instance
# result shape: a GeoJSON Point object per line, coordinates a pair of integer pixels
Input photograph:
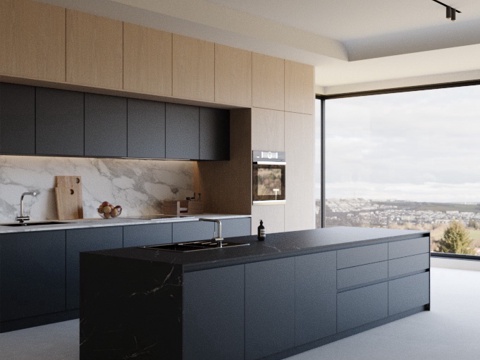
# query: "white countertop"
{"type": "Point", "coordinates": [98, 222]}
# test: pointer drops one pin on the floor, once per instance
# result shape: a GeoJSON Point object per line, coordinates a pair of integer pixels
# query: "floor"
{"type": "Point", "coordinates": [451, 330]}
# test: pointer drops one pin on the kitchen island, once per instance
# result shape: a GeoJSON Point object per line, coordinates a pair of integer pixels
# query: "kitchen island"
{"type": "Point", "coordinates": [266, 300]}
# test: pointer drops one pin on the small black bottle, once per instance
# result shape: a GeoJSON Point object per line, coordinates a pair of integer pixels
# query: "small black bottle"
{"type": "Point", "coordinates": [261, 231]}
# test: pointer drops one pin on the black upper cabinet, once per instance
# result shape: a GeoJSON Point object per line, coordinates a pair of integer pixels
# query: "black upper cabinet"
{"type": "Point", "coordinates": [214, 134]}
{"type": "Point", "coordinates": [17, 119]}
{"type": "Point", "coordinates": [183, 131]}
{"type": "Point", "coordinates": [105, 126]}
{"type": "Point", "coordinates": [59, 119]}
{"type": "Point", "coordinates": [146, 129]}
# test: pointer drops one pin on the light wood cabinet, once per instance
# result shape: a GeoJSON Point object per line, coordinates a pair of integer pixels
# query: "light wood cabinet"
{"type": "Point", "coordinates": [32, 40]}
{"type": "Point", "coordinates": [147, 60]}
{"type": "Point", "coordinates": [299, 88]}
{"type": "Point", "coordinates": [299, 148]}
{"type": "Point", "coordinates": [94, 51]}
{"type": "Point", "coordinates": [193, 69]}
{"type": "Point", "coordinates": [268, 130]}
{"type": "Point", "coordinates": [233, 76]}
{"type": "Point", "coordinates": [268, 84]}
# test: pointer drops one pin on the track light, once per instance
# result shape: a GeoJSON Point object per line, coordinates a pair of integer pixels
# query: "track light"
{"type": "Point", "coordinates": [451, 12]}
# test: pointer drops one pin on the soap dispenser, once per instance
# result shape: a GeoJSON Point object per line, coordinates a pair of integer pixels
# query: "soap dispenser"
{"type": "Point", "coordinates": [261, 231]}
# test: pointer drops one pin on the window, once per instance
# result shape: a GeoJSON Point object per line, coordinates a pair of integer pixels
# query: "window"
{"type": "Point", "coordinates": [407, 160]}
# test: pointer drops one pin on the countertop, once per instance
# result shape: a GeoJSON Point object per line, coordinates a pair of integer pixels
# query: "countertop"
{"type": "Point", "coordinates": [120, 221]}
{"type": "Point", "coordinates": [275, 246]}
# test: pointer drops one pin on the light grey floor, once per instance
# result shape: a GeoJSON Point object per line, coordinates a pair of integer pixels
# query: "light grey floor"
{"type": "Point", "coordinates": [451, 330]}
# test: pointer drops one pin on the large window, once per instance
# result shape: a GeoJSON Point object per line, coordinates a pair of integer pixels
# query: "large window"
{"type": "Point", "coordinates": [408, 161]}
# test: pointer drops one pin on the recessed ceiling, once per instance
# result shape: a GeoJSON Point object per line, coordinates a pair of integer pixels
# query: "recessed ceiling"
{"type": "Point", "coordinates": [355, 45]}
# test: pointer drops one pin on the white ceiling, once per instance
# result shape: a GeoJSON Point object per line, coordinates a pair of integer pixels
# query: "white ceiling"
{"type": "Point", "coordinates": [355, 45]}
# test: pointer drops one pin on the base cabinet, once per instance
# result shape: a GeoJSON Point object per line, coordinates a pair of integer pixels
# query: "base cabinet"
{"type": "Point", "coordinates": [213, 317]}
{"type": "Point", "coordinates": [408, 293]}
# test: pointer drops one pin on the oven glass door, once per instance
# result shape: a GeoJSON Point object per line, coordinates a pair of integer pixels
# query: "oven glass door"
{"type": "Point", "coordinates": [268, 182]}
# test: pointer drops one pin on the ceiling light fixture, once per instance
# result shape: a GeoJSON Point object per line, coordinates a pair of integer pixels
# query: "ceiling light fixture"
{"type": "Point", "coordinates": [451, 12]}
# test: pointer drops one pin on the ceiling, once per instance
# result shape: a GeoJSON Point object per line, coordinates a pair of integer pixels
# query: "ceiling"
{"type": "Point", "coordinates": [355, 45]}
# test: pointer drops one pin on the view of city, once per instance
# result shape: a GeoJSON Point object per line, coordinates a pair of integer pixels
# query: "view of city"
{"type": "Point", "coordinates": [397, 214]}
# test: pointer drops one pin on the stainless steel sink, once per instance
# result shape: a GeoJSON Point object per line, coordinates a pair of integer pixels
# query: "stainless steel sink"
{"type": "Point", "coordinates": [35, 223]}
{"type": "Point", "coordinates": [194, 246]}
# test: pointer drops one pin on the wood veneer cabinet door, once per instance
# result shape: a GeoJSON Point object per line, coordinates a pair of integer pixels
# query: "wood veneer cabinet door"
{"type": "Point", "coordinates": [193, 69]}
{"type": "Point", "coordinates": [233, 76]}
{"type": "Point", "coordinates": [147, 60]}
{"type": "Point", "coordinates": [268, 84]}
{"type": "Point", "coordinates": [32, 40]}
{"type": "Point", "coordinates": [94, 50]}
{"type": "Point", "coordinates": [299, 88]}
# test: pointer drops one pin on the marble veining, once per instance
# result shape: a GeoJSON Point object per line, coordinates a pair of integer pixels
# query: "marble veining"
{"type": "Point", "coordinates": [140, 186]}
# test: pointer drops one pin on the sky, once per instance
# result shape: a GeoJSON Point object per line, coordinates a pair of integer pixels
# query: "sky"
{"type": "Point", "coordinates": [420, 146]}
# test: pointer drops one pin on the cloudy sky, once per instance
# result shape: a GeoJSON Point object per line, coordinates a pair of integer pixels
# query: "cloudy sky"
{"type": "Point", "coordinates": [422, 145]}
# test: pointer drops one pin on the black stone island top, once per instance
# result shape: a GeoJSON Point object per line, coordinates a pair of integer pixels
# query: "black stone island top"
{"type": "Point", "coordinates": [276, 245]}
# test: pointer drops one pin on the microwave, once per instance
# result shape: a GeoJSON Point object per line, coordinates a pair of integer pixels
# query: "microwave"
{"type": "Point", "coordinates": [268, 177]}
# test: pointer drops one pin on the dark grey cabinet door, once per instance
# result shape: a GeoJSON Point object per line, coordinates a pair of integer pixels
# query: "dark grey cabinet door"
{"type": "Point", "coordinates": [192, 230]}
{"type": "Point", "coordinates": [213, 323]}
{"type": "Point", "coordinates": [236, 227]}
{"type": "Point", "coordinates": [139, 235]}
{"type": "Point", "coordinates": [32, 268]}
{"type": "Point", "coordinates": [214, 134]}
{"type": "Point", "coordinates": [79, 240]}
{"type": "Point", "coordinates": [17, 119]}
{"type": "Point", "coordinates": [182, 131]}
{"type": "Point", "coordinates": [59, 119]}
{"type": "Point", "coordinates": [408, 293]}
{"type": "Point", "coordinates": [315, 297]}
{"type": "Point", "coordinates": [146, 129]}
{"type": "Point", "coordinates": [269, 307]}
{"type": "Point", "coordinates": [105, 126]}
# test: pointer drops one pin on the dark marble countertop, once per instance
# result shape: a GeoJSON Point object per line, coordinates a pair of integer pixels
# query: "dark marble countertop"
{"type": "Point", "coordinates": [275, 246]}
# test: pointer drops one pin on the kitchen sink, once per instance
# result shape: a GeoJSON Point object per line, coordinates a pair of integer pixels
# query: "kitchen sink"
{"type": "Point", "coordinates": [35, 223]}
{"type": "Point", "coordinates": [194, 246]}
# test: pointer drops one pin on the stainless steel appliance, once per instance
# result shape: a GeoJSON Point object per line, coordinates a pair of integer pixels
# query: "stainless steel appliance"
{"type": "Point", "coordinates": [268, 177]}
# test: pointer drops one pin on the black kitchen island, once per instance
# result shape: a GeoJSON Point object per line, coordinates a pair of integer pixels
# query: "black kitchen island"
{"type": "Point", "coordinates": [266, 300]}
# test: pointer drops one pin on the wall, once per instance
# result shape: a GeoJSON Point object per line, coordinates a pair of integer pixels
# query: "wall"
{"type": "Point", "coordinates": [140, 186]}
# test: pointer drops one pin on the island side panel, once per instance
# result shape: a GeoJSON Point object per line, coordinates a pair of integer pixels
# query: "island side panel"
{"type": "Point", "coordinates": [129, 308]}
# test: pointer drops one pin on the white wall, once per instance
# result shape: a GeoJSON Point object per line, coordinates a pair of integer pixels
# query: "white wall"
{"type": "Point", "coordinates": [139, 186]}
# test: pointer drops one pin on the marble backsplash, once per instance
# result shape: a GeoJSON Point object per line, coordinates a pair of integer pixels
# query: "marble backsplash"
{"type": "Point", "coordinates": [139, 186]}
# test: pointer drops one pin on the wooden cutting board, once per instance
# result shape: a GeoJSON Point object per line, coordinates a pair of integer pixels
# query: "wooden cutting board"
{"type": "Point", "coordinates": [69, 197]}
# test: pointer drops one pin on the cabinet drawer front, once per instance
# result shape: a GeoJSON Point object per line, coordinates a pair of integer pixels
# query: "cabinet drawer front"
{"type": "Point", "coordinates": [409, 264]}
{"type": "Point", "coordinates": [408, 293]}
{"type": "Point", "coordinates": [361, 255]}
{"type": "Point", "coordinates": [361, 306]}
{"type": "Point", "coordinates": [362, 274]}
{"type": "Point", "coordinates": [403, 248]}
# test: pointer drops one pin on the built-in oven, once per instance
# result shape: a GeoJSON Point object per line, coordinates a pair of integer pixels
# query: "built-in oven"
{"type": "Point", "coordinates": [268, 177]}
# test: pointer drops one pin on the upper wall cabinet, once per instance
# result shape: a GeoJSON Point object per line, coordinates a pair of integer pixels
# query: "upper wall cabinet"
{"type": "Point", "coordinates": [183, 131]}
{"type": "Point", "coordinates": [193, 69]}
{"type": "Point", "coordinates": [94, 51]}
{"type": "Point", "coordinates": [233, 76]}
{"type": "Point", "coordinates": [32, 40]}
{"type": "Point", "coordinates": [268, 85]}
{"type": "Point", "coordinates": [59, 122]}
{"type": "Point", "coordinates": [214, 134]}
{"type": "Point", "coordinates": [147, 60]}
{"type": "Point", "coordinates": [17, 119]}
{"type": "Point", "coordinates": [299, 88]}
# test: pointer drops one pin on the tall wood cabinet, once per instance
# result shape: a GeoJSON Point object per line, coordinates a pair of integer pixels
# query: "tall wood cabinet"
{"type": "Point", "coordinates": [299, 87]}
{"type": "Point", "coordinates": [94, 51]}
{"type": "Point", "coordinates": [268, 82]}
{"type": "Point", "coordinates": [147, 55]}
{"type": "Point", "coordinates": [32, 40]}
{"type": "Point", "coordinates": [193, 69]}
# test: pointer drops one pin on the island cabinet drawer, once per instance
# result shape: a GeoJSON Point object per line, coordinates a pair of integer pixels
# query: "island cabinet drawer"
{"type": "Point", "coordinates": [361, 255]}
{"type": "Point", "coordinates": [408, 293]}
{"type": "Point", "coordinates": [362, 306]}
{"type": "Point", "coordinates": [397, 249]}
{"type": "Point", "coordinates": [408, 265]}
{"type": "Point", "coordinates": [363, 274]}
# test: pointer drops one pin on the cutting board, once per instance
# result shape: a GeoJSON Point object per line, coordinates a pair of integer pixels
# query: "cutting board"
{"type": "Point", "coordinates": [68, 193]}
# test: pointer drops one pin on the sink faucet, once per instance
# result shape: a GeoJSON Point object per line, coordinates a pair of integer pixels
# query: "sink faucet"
{"type": "Point", "coordinates": [219, 237]}
{"type": "Point", "coordinates": [23, 217]}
